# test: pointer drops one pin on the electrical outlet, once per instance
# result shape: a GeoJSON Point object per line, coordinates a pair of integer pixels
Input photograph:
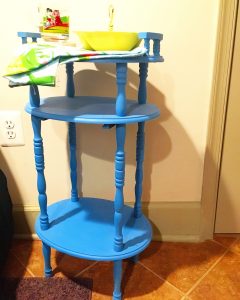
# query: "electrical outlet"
{"type": "Point", "coordinates": [11, 133]}
{"type": "Point", "coordinates": [9, 124]}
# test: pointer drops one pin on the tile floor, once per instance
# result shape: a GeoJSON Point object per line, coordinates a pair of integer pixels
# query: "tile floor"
{"type": "Point", "coordinates": [167, 271]}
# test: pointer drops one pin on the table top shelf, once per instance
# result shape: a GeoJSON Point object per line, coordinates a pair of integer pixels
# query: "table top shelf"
{"type": "Point", "coordinates": [85, 229]}
{"type": "Point", "coordinates": [153, 49]}
{"type": "Point", "coordinates": [92, 110]}
{"type": "Point", "coordinates": [140, 59]}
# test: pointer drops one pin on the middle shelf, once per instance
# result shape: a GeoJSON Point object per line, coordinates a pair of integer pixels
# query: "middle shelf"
{"type": "Point", "coordinates": [85, 229]}
{"type": "Point", "coordinates": [92, 110]}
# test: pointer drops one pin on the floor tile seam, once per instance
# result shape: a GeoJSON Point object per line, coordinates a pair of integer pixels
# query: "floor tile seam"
{"type": "Point", "coordinates": [163, 279]}
{"type": "Point", "coordinates": [86, 269]}
{"type": "Point", "coordinates": [206, 273]}
{"type": "Point", "coordinates": [185, 298]}
{"type": "Point", "coordinates": [220, 244]}
{"type": "Point", "coordinates": [237, 240]}
{"type": "Point", "coordinates": [232, 250]}
{"type": "Point", "coordinates": [25, 267]}
{"type": "Point", "coordinates": [230, 246]}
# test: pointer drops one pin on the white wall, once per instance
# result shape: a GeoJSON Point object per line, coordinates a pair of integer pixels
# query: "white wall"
{"type": "Point", "coordinates": [181, 87]}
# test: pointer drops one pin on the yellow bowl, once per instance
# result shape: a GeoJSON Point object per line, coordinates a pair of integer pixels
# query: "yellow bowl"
{"type": "Point", "coordinates": [108, 40]}
{"type": "Point", "coordinates": [83, 39]}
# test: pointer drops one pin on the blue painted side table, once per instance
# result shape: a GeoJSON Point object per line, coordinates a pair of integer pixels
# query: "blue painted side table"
{"type": "Point", "coordinates": [90, 228]}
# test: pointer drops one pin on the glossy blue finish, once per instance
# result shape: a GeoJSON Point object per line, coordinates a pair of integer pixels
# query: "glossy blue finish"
{"type": "Point", "coordinates": [156, 48]}
{"type": "Point", "coordinates": [73, 160]}
{"type": "Point", "coordinates": [39, 162]}
{"type": "Point", "coordinates": [150, 35]}
{"type": "Point", "coordinates": [72, 136]}
{"type": "Point", "coordinates": [47, 264]}
{"type": "Point", "coordinates": [146, 36]}
{"type": "Point", "coordinates": [156, 37]}
{"type": "Point", "coordinates": [143, 59]}
{"type": "Point", "coordinates": [34, 98]}
{"type": "Point", "coordinates": [117, 274]}
{"type": "Point", "coordinates": [139, 170]}
{"type": "Point", "coordinates": [70, 81]}
{"type": "Point", "coordinates": [142, 99]}
{"type": "Point", "coordinates": [142, 90]}
{"type": "Point", "coordinates": [85, 229]}
{"type": "Point", "coordinates": [121, 76]}
{"type": "Point", "coordinates": [135, 258]}
{"type": "Point", "coordinates": [91, 228]}
{"type": "Point", "coordinates": [119, 183]}
{"type": "Point", "coordinates": [92, 110]}
{"type": "Point", "coordinates": [25, 35]}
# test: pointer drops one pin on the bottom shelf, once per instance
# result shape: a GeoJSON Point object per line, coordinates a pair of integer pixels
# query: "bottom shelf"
{"type": "Point", "coordinates": [85, 229]}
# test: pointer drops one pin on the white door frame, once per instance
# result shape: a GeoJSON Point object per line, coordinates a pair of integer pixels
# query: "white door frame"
{"type": "Point", "coordinates": [220, 89]}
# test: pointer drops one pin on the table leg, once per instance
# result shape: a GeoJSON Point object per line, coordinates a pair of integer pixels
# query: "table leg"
{"type": "Point", "coordinates": [41, 182]}
{"type": "Point", "coordinates": [119, 182]}
{"type": "Point", "coordinates": [139, 170]}
{"type": "Point", "coordinates": [73, 160]}
{"type": "Point", "coordinates": [142, 90]}
{"type": "Point", "coordinates": [121, 77]}
{"type": "Point", "coordinates": [47, 264]}
{"type": "Point", "coordinates": [142, 99]}
{"type": "Point", "coordinates": [70, 80]}
{"type": "Point", "coordinates": [117, 273]}
{"type": "Point", "coordinates": [135, 258]}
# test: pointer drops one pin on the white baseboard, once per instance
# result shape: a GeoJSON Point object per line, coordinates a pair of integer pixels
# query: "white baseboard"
{"type": "Point", "coordinates": [171, 221]}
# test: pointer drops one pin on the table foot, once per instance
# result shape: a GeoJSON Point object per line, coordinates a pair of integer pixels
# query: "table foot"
{"type": "Point", "coordinates": [47, 265]}
{"type": "Point", "coordinates": [117, 297]}
{"type": "Point", "coordinates": [117, 273]}
{"type": "Point", "coordinates": [48, 273]}
{"type": "Point", "coordinates": [135, 258]}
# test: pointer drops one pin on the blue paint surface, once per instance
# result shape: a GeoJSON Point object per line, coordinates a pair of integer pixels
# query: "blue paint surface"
{"type": "Point", "coordinates": [85, 229]}
{"type": "Point", "coordinates": [92, 110]}
{"type": "Point", "coordinates": [92, 228]}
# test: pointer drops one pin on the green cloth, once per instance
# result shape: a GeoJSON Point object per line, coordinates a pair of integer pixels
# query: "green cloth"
{"type": "Point", "coordinates": [37, 63]}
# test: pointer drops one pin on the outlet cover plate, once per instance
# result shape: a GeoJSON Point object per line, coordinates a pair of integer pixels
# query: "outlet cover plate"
{"type": "Point", "coordinates": [11, 136]}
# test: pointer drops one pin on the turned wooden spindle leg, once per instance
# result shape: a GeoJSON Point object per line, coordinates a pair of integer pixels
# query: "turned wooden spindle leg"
{"type": "Point", "coordinates": [41, 182]}
{"type": "Point", "coordinates": [142, 99]}
{"type": "Point", "coordinates": [156, 47]}
{"type": "Point", "coordinates": [72, 135]}
{"type": "Point", "coordinates": [41, 185]}
{"type": "Point", "coordinates": [117, 274]}
{"type": "Point", "coordinates": [47, 264]}
{"type": "Point", "coordinates": [70, 80]}
{"type": "Point", "coordinates": [139, 175]}
{"type": "Point", "coordinates": [73, 160]}
{"type": "Point", "coordinates": [119, 182]}
{"type": "Point", "coordinates": [121, 74]}
{"type": "Point", "coordinates": [147, 44]}
{"type": "Point", "coordinates": [34, 100]}
{"type": "Point", "coordinates": [142, 90]}
{"type": "Point", "coordinates": [139, 170]}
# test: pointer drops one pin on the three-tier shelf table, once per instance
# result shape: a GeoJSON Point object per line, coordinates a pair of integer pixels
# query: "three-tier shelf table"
{"type": "Point", "coordinates": [93, 228]}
